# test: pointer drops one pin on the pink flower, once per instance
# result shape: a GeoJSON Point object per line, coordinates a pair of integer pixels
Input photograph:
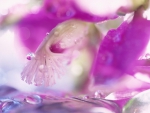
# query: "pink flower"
{"type": "Point", "coordinates": [119, 49]}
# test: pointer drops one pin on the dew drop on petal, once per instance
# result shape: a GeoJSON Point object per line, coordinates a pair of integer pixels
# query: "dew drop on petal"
{"type": "Point", "coordinates": [34, 99]}
{"type": "Point", "coordinates": [147, 56]}
{"type": "Point", "coordinates": [30, 56]}
{"type": "Point", "coordinates": [9, 105]}
{"type": "Point", "coordinates": [47, 33]}
{"type": "Point", "coordinates": [41, 68]}
{"type": "Point", "coordinates": [86, 97]}
{"type": "Point", "coordinates": [98, 94]}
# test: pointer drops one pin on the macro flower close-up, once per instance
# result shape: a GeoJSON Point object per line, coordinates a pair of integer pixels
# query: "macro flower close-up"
{"type": "Point", "coordinates": [75, 56]}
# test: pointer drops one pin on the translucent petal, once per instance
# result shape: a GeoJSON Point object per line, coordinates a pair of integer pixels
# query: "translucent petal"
{"type": "Point", "coordinates": [49, 61]}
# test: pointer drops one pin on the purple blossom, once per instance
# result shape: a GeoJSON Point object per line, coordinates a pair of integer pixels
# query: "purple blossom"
{"type": "Point", "coordinates": [116, 58]}
{"type": "Point", "coordinates": [120, 49]}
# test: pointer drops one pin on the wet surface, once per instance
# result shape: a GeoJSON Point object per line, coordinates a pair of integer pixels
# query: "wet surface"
{"type": "Point", "coordinates": [131, 101]}
{"type": "Point", "coordinates": [14, 101]}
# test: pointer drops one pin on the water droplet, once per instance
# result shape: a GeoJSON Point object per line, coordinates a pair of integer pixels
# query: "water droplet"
{"type": "Point", "coordinates": [41, 68]}
{"type": "Point", "coordinates": [47, 33]}
{"type": "Point", "coordinates": [34, 99]}
{"type": "Point", "coordinates": [86, 97]}
{"type": "Point", "coordinates": [98, 94]}
{"type": "Point", "coordinates": [147, 56]}
{"type": "Point", "coordinates": [9, 105]}
{"type": "Point", "coordinates": [30, 56]}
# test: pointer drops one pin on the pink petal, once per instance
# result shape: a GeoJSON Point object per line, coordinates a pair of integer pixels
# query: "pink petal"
{"type": "Point", "coordinates": [120, 49]}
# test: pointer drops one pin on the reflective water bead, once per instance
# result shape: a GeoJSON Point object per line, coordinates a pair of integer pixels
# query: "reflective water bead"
{"type": "Point", "coordinates": [47, 33]}
{"type": "Point", "coordinates": [30, 56]}
{"type": "Point", "coordinates": [98, 94]}
{"type": "Point", "coordinates": [41, 68]}
{"type": "Point", "coordinates": [9, 105]}
{"type": "Point", "coordinates": [34, 99]}
{"type": "Point", "coordinates": [86, 97]}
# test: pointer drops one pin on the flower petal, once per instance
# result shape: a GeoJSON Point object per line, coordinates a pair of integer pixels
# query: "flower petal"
{"type": "Point", "coordinates": [50, 61]}
{"type": "Point", "coordinates": [33, 28]}
{"type": "Point", "coordinates": [120, 49]}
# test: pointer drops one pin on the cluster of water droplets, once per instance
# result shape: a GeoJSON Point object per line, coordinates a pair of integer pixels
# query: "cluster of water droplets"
{"type": "Point", "coordinates": [130, 101]}
{"type": "Point", "coordinates": [23, 102]}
